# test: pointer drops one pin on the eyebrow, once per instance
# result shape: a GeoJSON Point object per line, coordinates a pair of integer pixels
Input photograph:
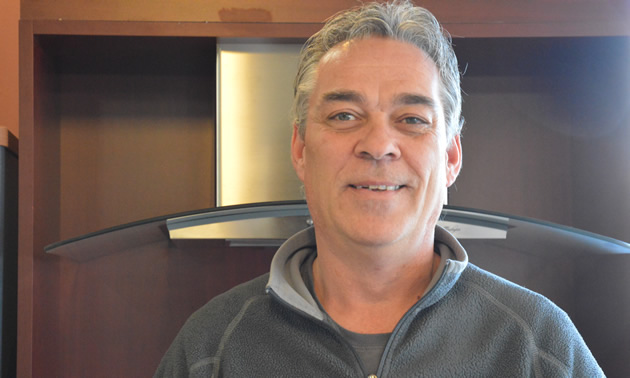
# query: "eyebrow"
{"type": "Point", "coordinates": [346, 96]}
{"type": "Point", "coordinates": [401, 99]}
{"type": "Point", "coordinates": [414, 99]}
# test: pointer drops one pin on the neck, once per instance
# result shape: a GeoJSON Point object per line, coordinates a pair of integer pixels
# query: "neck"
{"type": "Point", "coordinates": [366, 291]}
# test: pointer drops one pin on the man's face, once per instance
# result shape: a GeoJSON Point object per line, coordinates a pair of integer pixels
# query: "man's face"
{"type": "Point", "coordinates": [375, 161]}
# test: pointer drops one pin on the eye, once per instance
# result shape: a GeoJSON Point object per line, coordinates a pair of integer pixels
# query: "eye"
{"type": "Point", "coordinates": [343, 116]}
{"type": "Point", "coordinates": [414, 121]}
{"type": "Point", "coordinates": [414, 124]}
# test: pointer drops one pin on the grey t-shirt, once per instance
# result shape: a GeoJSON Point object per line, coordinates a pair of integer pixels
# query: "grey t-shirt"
{"type": "Point", "coordinates": [369, 347]}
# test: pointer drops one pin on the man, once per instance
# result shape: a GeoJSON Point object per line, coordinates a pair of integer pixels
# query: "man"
{"type": "Point", "coordinates": [376, 288]}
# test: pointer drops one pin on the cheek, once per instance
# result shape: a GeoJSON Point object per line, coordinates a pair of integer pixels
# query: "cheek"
{"type": "Point", "coordinates": [425, 160]}
{"type": "Point", "coordinates": [322, 151]}
{"type": "Point", "coordinates": [312, 165]}
{"type": "Point", "coordinates": [325, 165]}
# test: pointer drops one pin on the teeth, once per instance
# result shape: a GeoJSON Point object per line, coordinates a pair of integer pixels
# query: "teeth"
{"type": "Point", "coordinates": [381, 188]}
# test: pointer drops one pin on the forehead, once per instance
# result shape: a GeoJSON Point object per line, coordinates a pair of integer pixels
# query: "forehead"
{"type": "Point", "coordinates": [373, 47]}
{"type": "Point", "coordinates": [376, 65]}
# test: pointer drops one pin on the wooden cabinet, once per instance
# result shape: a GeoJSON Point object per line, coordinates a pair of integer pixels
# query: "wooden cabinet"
{"type": "Point", "coordinates": [461, 17]}
{"type": "Point", "coordinates": [547, 130]}
{"type": "Point", "coordinates": [117, 124]}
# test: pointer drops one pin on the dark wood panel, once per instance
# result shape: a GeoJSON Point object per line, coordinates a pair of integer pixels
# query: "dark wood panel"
{"type": "Point", "coordinates": [92, 126]}
{"type": "Point", "coordinates": [46, 188]}
{"type": "Point", "coordinates": [176, 29]}
{"type": "Point", "coordinates": [135, 118]}
{"type": "Point", "coordinates": [25, 210]}
{"type": "Point", "coordinates": [39, 186]}
{"type": "Point", "coordinates": [305, 30]}
{"type": "Point", "coordinates": [116, 315]}
{"type": "Point", "coordinates": [516, 140]}
{"type": "Point", "coordinates": [601, 177]}
{"type": "Point", "coordinates": [547, 130]}
{"type": "Point", "coordinates": [462, 18]}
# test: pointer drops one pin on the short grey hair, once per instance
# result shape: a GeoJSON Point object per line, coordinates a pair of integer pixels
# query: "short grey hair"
{"type": "Point", "coordinates": [398, 20]}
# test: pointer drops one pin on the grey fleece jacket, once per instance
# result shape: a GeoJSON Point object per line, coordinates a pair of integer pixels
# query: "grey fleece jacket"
{"type": "Point", "coordinates": [469, 324]}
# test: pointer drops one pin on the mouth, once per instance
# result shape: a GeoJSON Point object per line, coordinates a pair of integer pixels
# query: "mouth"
{"type": "Point", "coordinates": [379, 188]}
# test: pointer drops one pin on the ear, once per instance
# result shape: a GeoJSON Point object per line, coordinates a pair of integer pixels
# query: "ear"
{"type": "Point", "coordinates": [297, 153]}
{"type": "Point", "coordinates": [453, 160]}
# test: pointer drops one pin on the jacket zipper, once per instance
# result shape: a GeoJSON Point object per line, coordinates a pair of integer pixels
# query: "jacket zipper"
{"type": "Point", "coordinates": [404, 320]}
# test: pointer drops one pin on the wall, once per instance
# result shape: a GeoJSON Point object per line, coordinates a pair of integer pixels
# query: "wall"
{"type": "Point", "coordinates": [9, 16]}
{"type": "Point", "coordinates": [547, 129]}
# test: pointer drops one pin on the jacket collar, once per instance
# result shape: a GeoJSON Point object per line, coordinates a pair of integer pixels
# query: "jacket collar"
{"type": "Point", "coordinates": [286, 282]}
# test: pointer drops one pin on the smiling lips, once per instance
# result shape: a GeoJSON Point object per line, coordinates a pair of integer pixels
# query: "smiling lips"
{"type": "Point", "coordinates": [378, 188]}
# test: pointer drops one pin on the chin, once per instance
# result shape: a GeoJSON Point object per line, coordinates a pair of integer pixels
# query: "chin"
{"type": "Point", "coordinates": [377, 234]}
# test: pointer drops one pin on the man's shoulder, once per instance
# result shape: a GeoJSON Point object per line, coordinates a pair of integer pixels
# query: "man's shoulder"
{"type": "Point", "coordinates": [542, 325]}
{"type": "Point", "coordinates": [200, 337]}
{"type": "Point", "coordinates": [224, 307]}
{"type": "Point", "coordinates": [506, 294]}
{"type": "Point", "coordinates": [504, 301]}
{"type": "Point", "coordinates": [208, 323]}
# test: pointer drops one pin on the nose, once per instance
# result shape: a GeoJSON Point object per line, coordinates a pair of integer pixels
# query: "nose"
{"type": "Point", "coordinates": [378, 141]}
